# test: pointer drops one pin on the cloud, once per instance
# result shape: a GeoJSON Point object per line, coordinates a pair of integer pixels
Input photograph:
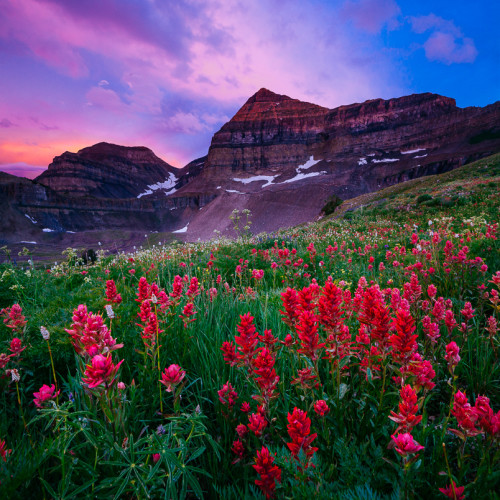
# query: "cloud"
{"type": "Point", "coordinates": [5, 123]}
{"type": "Point", "coordinates": [371, 15]}
{"type": "Point", "coordinates": [22, 169]}
{"type": "Point", "coordinates": [446, 43]}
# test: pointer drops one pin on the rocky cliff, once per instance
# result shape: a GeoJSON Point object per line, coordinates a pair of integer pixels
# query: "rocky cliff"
{"type": "Point", "coordinates": [109, 171]}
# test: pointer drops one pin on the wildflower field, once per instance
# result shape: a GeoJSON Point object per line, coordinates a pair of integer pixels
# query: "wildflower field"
{"type": "Point", "coordinates": [355, 357]}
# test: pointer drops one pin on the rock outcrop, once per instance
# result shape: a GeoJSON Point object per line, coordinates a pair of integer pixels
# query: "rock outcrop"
{"type": "Point", "coordinates": [108, 171]}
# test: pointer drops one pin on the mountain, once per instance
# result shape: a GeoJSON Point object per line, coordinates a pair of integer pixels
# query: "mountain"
{"type": "Point", "coordinates": [279, 157]}
{"type": "Point", "coordinates": [283, 158]}
{"type": "Point", "coordinates": [108, 171]}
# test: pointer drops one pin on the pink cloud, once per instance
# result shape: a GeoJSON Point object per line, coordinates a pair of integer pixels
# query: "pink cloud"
{"type": "Point", "coordinates": [446, 43]}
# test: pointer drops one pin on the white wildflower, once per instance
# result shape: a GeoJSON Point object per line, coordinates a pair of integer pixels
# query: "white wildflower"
{"type": "Point", "coordinates": [45, 333]}
{"type": "Point", "coordinates": [109, 311]}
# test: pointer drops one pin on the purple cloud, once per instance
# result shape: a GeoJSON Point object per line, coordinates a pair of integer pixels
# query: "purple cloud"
{"type": "Point", "coordinates": [446, 43]}
{"type": "Point", "coordinates": [371, 15]}
{"type": "Point", "coordinates": [5, 123]}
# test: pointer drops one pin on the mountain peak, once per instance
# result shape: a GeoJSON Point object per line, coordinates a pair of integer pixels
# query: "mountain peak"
{"type": "Point", "coordinates": [265, 95]}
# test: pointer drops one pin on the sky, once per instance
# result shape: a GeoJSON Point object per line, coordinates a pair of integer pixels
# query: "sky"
{"type": "Point", "coordinates": [167, 74]}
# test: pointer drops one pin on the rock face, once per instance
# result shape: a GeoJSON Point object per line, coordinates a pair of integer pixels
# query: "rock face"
{"type": "Point", "coordinates": [108, 171]}
{"type": "Point", "coordinates": [283, 158]}
{"type": "Point", "coordinates": [279, 157]}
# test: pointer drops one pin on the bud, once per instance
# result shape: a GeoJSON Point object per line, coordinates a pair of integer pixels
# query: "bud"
{"type": "Point", "coordinates": [15, 375]}
{"type": "Point", "coordinates": [45, 333]}
{"type": "Point", "coordinates": [109, 311]}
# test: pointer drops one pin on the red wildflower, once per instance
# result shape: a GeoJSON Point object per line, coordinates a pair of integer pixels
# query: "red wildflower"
{"type": "Point", "coordinates": [263, 367]}
{"type": "Point", "coordinates": [238, 449]}
{"type": "Point", "coordinates": [268, 472]}
{"type": "Point", "coordinates": [405, 444]}
{"type": "Point", "coordinates": [229, 352]}
{"type": "Point", "coordinates": [172, 377]}
{"type": "Point", "coordinates": [14, 319]}
{"type": "Point", "coordinates": [268, 339]}
{"type": "Point", "coordinates": [291, 304]}
{"type": "Point", "coordinates": [449, 320]}
{"type": "Point", "coordinates": [465, 415]}
{"type": "Point", "coordinates": [307, 331]}
{"type": "Point", "coordinates": [227, 395]}
{"type": "Point", "coordinates": [245, 407]}
{"type": "Point", "coordinates": [321, 408]}
{"type": "Point", "coordinates": [452, 356]}
{"type": "Point", "coordinates": [4, 359]}
{"type": "Point", "coordinates": [112, 294]}
{"type": "Point", "coordinates": [155, 457]}
{"type": "Point", "coordinates": [101, 371]}
{"type": "Point", "coordinates": [45, 393]}
{"type": "Point", "coordinates": [306, 378]}
{"type": "Point", "coordinates": [407, 417]}
{"type": "Point", "coordinates": [241, 430]}
{"type": "Point", "coordinates": [3, 450]}
{"type": "Point", "coordinates": [16, 346]}
{"type": "Point", "coordinates": [188, 313]}
{"type": "Point", "coordinates": [299, 429]}
{"type": "Point", "coordinates": [143, 290]}
{"type": "Point", "coordinates": [257, 423]}
{"type": "Point", "coordinates": [404, 340]}
{"type": "Point", "coordinates": [329, 307]}
{"type": "Point", "coordinates": [177, 287]}
{"type": "Point", "coordinates": [247, 340]}
{"type": "Point", "coordinates": [193, 289]}
{"type": "Point", "coordinates": [453, 491]}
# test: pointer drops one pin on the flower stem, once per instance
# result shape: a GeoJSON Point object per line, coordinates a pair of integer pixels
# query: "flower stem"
{"type": "Point", "coordinates": [53, 371]}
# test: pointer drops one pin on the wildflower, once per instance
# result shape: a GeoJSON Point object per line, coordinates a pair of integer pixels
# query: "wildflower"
{"type": "Point", "coordinates": [329, 306]}
{"type": "Point", "coordinates": [321, 408]}
{"type": "Point", "coordinates": [453, 491]}
{"type": "Point", "coordinates": [307, 331]}
{"type": "Point", "coordinates": [155, 457]}
{"type": "Point", "coordinates": [45, 393]}
{"type": "Point", "coordinates": [263, 367]}
{"type": "Point", "coordinates": [291, 304]}
{"type": "Point", "coordinates": [407, 417]}
{"type": "Point", "coordinates": [245, 407]}
{"type": "Point", "coordinates": [268, 339]}
{"type": "Point", "coordinates": [423, 371]}
{"type": "Point", "coordinates": [465, 415]}
{"type": "Point", "coordinates": [306, 378]}
{"type": "Point", "coordinates": [112, 294]}
{"type": "Point", "coordinates": [143, 290]}
{"type": "Point", "coordinates": [16, 346]}
{"type": "Point", "coordinates": [299, 429]}
{"type": "Point", "coordinates": [4, 359]}
{"type": "Point", "coordinates": [404, 340]}
{"type": "Point", "coordinates": [193, 289]}
{"type": "Point", "coordinates": [238, 449]}
{"type": "Point", "coordinates": [14, 319]}
{"type": "Point", "coordinates": [101, 371]}
{"type": "Point", "coordinates": [109, 311]}
{"type": "Point", "coordinates": [227, 395]}
{"type": "Point", "coordinates": [3, 450]}
{"type": "Point", "coordinates": [188, 313]}
{"type": "Point", "coordinates": [121, 386]}
{"type": "Point", "coordinates": [467, 312]}
{"type": "Point", "coordinates": [14, 373]}
{"type": "Point", "coordinates": [247, 340]}
{"type": "Point", "coordinates": [449, 321]}
{"type": "Point", "coordinates": [241, 430]}
{"type": "Point", "coordinates": [452, 356]}
{"type": "Point", "coordinates": [257, 423]}
{"type": "Point", "coordinates": [268, 472]}
{"type": "Point", "coordinates": [229, 353]}
{"type": "Point", "coordinates": [172, 377]}
{"type": "Point", "coordinates": [45, 333]}
{"type": "Point", "coordinates": [405, 444]}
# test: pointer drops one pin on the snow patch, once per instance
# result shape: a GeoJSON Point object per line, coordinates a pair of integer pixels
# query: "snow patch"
{"type": "Point", "coordinates": [183, 230]}
{"type": "Point", "coordinates": [308, 164]}
{"type": "Point", "coordinates": [47, 230]}
{"type": "Point", "coordinates": [233, 191]}
{"type": "Point", "coordinates": [411, 151]}
{"type": "Point", "coordinates": [362, 161]}
{"type": "Point", "coordinates": [267, 178]}
{"type": "Point", "coordinates": [29, 242]}
{"type": "Point", "coordinates": [421, 156]}
{"type": "Point", "coordinates": [168, 185]}
{"type": "Point", "coordinates": [301, 176]}
{"type": "Point", "coordinates": [386, 160]}
{"type": "Point", "coordinates": [31, 219]}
